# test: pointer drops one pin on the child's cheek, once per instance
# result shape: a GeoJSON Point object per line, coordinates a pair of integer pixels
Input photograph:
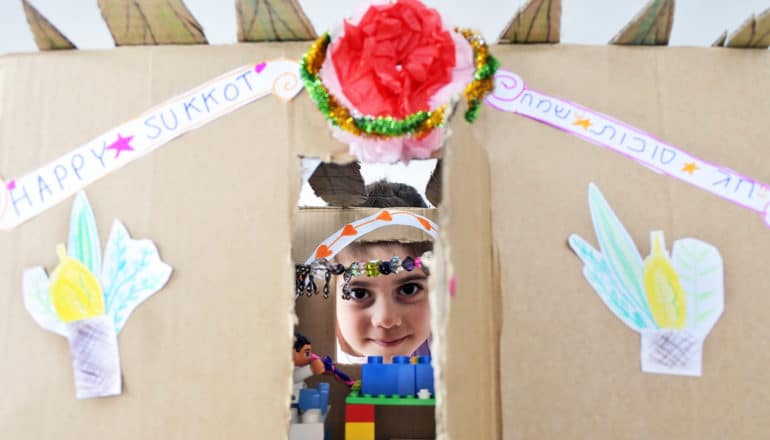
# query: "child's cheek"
{"type": "Point", "coordinates": [354, 325]}
{"type": "Point", "coordinates": [419, 318]}
{"type": "Point", "coordinates": [363, 324]}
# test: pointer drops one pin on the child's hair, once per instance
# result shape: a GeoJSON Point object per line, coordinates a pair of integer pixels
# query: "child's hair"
{"type": "Point", "coordinates": [300, 341]}
{"type": "Point", "coordinates": [384, 194]}
{"type": "Point", "coordinates": [414, 248]}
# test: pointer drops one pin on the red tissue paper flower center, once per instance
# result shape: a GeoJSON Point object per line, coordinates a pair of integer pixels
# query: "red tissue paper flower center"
{"type": "Point", "coordinates": [394, 59]}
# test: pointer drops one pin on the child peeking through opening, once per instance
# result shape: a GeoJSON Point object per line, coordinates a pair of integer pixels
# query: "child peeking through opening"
{"type": "Point", "coordinates": [386, 315]}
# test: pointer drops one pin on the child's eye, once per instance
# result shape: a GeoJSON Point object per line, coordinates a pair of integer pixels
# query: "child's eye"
{"type": "Point", "coordinates": [409, 289]}
{"type": "Point", "coordinates": [359, 294]}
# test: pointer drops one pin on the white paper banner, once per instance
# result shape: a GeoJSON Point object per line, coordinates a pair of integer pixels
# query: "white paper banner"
{"type": "Point", "coordinates": [27, 196]}
{"type": "Point", "coordinates": [511, 95]}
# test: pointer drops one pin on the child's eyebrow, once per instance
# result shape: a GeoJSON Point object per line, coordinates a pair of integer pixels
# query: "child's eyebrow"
{"type": "Point", "coordinates": [364, 281]}
{"type": "Point", "coordinates": [413, 277]}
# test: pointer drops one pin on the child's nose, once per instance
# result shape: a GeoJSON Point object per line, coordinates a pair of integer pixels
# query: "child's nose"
{"type": "Point", "coordinates": [386, 315]}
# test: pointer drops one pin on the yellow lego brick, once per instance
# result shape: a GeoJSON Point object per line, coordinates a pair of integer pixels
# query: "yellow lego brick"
{"type": "Point", "coordinates": [359, 431]}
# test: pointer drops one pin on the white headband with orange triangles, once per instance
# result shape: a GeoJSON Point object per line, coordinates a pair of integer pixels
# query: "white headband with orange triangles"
{"type": "Point", "coordinates": [353, 231]}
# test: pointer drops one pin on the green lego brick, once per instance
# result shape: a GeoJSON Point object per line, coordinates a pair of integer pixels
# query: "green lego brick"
{"type": "Point", "coordinates": [356, 398]}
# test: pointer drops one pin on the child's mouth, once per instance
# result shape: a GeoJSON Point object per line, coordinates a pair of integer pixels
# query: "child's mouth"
{"type": "Point", "coordinates": [389, 342]}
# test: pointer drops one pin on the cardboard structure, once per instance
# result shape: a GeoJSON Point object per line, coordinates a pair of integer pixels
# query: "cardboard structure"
{"type": "Point", "coordinates": [524, 350]}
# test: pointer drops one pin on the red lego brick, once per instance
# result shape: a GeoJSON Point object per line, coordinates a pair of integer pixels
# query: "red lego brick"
{"type": "Point", "coordinates": [359, 413]}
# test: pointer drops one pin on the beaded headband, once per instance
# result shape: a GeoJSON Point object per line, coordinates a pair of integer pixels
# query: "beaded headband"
{"type": "Point", "coordinates": [306, 273]}
{"type": "Point", "coordinates": [318, 263]}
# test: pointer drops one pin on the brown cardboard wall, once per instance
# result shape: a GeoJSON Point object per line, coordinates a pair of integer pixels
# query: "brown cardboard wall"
{"type": "Point", "coordinates": [569, 368]}
{"type": "Point", "coordinates": [530, 351]}
{"type": "Point", "coordinates": [469, 365]}
{"type": "Point", "coordinates": [207, 357]}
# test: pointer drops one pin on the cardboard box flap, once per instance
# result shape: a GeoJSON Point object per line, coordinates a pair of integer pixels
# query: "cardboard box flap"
{"type": "Point", "coordinates": [569, 367]}
{"type": "Point", "coordinates": [208, 355]}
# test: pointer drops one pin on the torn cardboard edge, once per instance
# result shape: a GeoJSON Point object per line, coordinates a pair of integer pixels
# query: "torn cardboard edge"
{"type": "Point", "coordinates": [315, 316]}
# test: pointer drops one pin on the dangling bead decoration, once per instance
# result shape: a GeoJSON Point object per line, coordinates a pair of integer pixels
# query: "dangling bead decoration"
{"type": "Point", "coordinates": [312, 288]}
{"type": "Point", "coordinates": [346, 287]}
{"type": "Point", "coordinates": [305, 274]}
{"type": "Point", "coordinates": [327, 279]}
{"type": "Point", "coordinates": [301, 274]}
{"type": "Point", "coordinates": [338, 269]}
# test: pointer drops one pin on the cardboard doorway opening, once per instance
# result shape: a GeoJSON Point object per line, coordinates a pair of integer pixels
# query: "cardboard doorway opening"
{"type": "Point", "coordinates": [317, 316]}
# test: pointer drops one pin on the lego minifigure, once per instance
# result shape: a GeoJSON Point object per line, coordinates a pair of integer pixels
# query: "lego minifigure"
{"type": "Point", "coordinates": [305, 364]}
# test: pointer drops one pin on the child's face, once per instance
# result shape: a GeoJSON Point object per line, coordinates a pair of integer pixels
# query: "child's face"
{"type": "Point", "coordinates": [388, 315]}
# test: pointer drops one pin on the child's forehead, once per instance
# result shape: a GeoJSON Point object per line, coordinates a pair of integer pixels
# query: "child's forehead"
{"type": "Point", "coordinates": [363, 251]}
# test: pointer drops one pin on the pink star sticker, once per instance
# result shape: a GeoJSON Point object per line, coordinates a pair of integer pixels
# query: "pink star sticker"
{"type": "Point", "coordinates": [120, 145]}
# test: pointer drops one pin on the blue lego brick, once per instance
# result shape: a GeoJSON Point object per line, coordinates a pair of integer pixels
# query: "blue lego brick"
{"type": "Point", "coordinates": [309, 398]}
{"type": "Point", "coordinates": [401, 378]}
{"type": "Point", "coordinates": [371, 376]}
{"type": "Point", "coordinates": [323, 390]}
{"type": "Point", "coordinates": [314, 398]}
{"type": "Point", "coordinates": [378, 378]}
{"type": "Point", "coordinates": [424, 375]}
{"type": "Point", "coordinates": [405, 376]}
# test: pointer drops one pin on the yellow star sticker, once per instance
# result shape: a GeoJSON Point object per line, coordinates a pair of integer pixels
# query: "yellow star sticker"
{"type": "Point", "coordinates": [582, 122]}
{"type": "Point", "coordinates": [690, 168]}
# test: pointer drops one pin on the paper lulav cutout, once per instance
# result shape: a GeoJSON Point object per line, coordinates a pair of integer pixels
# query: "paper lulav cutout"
{"type": "Point", "coordinates": [673, 302]}
{"type": "Point", "coordinates": [353, 231]}
{"type": "Point", "coordinates": [88, 299]}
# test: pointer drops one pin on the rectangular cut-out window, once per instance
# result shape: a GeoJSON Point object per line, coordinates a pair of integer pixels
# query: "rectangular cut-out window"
{"type": "Point", "coordinates": [387, 314]}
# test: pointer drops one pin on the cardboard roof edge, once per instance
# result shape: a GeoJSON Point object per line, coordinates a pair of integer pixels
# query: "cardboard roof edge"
{"type": "Point", "coordinates": [536, 22]}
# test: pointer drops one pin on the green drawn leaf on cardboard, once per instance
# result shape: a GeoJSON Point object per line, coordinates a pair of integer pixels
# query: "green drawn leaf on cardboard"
{"type": "Point", "coordinates": [138, 22]}
{"type": "Point", "coordinates": [539, 21]}
{"type": "Point", "coordinates": [272, 20]}
{"type": "Point", "coordinates": [754, 33]}
{"type": "Point", "coordinates": [700, 269]}
{"type": "Point", "coordinates": [47, 36]}
{"type": "Point", "coordinates": [83, 244]}
{"type": "Point", "coordinates": [651, 27]}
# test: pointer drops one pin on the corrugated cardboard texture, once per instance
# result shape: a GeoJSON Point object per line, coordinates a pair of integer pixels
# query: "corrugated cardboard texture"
{"type": "Point", "coordinates": [569, 368]}
{"type": "Point", "coordinates": [208, 356]}
{"type": "Point", "coordinates": [469, 372]}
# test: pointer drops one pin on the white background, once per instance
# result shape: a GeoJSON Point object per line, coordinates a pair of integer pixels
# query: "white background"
{"type": "Point", "coordinates": [696, 23]}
